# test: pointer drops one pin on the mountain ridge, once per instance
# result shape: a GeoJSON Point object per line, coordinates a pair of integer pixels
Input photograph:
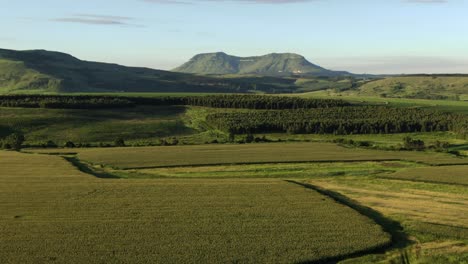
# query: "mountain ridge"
{"type": "Point", "coordinates": [42, 71]}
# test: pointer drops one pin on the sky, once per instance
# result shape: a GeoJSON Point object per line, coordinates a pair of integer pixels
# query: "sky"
{"type": "Point", "coordinates": [361, 36]}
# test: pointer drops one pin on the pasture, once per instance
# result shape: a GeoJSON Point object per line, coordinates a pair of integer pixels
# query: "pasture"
{"type": "Point", "coordinates": [51, 212]}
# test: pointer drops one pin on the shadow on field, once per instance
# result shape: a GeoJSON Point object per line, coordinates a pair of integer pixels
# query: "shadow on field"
{"type": "Point", "coordinates": [84, 168]}
{"type": "Point", "coordinates": [399, 239]}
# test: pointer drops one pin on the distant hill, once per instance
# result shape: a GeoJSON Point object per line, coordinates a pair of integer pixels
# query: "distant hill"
{"type": "Point", "coordinates": [275, 64]}
{"type": "Point", "coordinates": [40, 71]}
{"type": "Point", "coordinates": [453, 87]}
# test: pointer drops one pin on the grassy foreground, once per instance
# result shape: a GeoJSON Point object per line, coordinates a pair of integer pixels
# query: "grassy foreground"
{"type": "Point", "coordinates": [51, 212]}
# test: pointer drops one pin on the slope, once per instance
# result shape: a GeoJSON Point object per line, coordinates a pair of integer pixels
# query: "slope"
{"type": "Point", "coordinates": [421, 87]}
{"type": "Point", "coordinates": [50, 72]}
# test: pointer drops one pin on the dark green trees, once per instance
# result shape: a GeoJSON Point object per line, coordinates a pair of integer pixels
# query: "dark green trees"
{"type": "Point", "coordinates": [13, 141]}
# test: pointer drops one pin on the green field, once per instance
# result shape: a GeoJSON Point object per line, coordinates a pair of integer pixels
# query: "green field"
{"type": "Point", "coordinates": [444, 174]}
{"type": "Point", "coordinates": [151, 157]}
{"type": "Point", "coordinates": [270, 170]}
{"type": "Point", "coordinates": [95, 126]}
{"type": "Point", "coordinates": [51, 212]}
{"type": "Point", "coordinates": [181, 189]}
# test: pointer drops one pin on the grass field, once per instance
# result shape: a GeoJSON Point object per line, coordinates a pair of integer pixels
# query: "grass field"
{"type": "Point", "coordinates": [445, 174]}
{"type": "Point", "coordinates": [92, 126]}
{"type": "Point", "coordinates": [51, 212]}
{"type": "Point", "coordinates": [416, 87]}
{"type": "Point", "coordinates": [152, 157]}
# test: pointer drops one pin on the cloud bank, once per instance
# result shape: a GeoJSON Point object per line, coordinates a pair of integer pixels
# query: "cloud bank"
{"type": "Point", "coordinates": [91, 19]}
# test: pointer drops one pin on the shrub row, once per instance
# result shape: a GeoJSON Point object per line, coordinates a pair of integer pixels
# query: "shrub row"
{"type": "Point", "coordinates": [218, 101]}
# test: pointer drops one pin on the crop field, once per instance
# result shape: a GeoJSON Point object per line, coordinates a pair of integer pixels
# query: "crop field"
{"type": "Point", "coordinates": [444, 174]}
{"type": "Point", "coordinates": [152, 157]}
{"type": "Point", "coordinates": [433, 216]}
{"type": "Point", "coordinates": [270, 170]}
{"type": "Point", "coordinates": [51, 212]}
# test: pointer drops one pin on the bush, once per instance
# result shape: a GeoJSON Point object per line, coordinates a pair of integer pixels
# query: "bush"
{"type": "Point", "coordinates": [70, 144]}
{"type": "Point", "coordinates": [13, 141]}
{"type": "Point", "coordinates": [413, 144]}
{"type": "Point", "coordinates": [119, 142]}
{"type": "Point", "coordinates": [249, 138]}
{"type": "Point", "coordinates": [51, 144]}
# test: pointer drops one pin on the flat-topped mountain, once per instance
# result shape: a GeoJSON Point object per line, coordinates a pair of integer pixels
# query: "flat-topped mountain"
{"type": "Point", "coordinates": [275, 64]}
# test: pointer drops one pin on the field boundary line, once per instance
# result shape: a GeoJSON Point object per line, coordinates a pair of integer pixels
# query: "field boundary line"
{"type": "Point", "coordinates": [253, 163]}
{"type": "Point", "coordinates": [399, 239]}
{"type": "Point", "coordinates": [83, 167]}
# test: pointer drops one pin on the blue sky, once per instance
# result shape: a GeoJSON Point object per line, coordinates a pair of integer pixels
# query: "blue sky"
{"type": "Point", "coordinates": [362, 36]}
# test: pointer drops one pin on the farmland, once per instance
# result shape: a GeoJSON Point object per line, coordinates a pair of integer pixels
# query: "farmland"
{"type": "Point", "coordinates": [432, 216]}
{"type": "Point", "coordinates": [444, 174]}
{"type": "Point", "coordinates": [63, 215]}
{"type": "Point", "coordinates": [157, 179]}
{"type": "Point", "coordinates": [127, 158]}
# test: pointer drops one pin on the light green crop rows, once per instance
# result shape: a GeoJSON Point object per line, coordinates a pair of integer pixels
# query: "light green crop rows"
{"type": "Point", "coordinates": [50, 212]}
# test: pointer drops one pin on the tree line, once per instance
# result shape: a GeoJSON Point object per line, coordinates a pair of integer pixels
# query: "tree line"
{"type": "Point", "coordinates": [217, 101]}
{"type": "Point", "coordinates": [339, 120]}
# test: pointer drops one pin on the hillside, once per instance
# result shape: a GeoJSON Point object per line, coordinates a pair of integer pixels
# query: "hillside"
{"type": "Point", "coordinates": [453, 87]}
{"type": "Point", "coordinates": [40, 71]}
{"type": "Point", "coordinates": [275, 64]}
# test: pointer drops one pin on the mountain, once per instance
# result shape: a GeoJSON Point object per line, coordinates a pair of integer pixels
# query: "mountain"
{"type": "Point", "coordinates": [275, 64]}
{"type": "Point", "coordinates": [40, 71]}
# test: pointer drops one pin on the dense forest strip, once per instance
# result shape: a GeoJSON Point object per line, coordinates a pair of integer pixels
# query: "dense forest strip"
{"type": "Point", "coordinates": [340, 120]}
{"type": "Point", "coordinates": [217, 101]}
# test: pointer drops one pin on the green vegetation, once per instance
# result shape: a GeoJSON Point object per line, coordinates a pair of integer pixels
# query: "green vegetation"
{"type": "Point", "coordinates": [340, 120]}
{"type": "Point", "coordinates": [63, 215]}
{"type": "Point", "coordinates": [217, 154]}
{"type": "Point", "coordinates": [269, 170]}
{"type": "Point", "coordinates": [444, 174]}
{"type": "Point", "coordinates": [97, 126]}
{"type": "Point", "coordinates": [39, 71]}
{"type": "Point", "coordinates": [13, 141]}
{"type": "Point", "coordinates": [265, 201]}
{"type": "Point", "coordinates": [419, 87]}
{"type": "Point", "coordinates": [216, 101]}
{"type": "Point", "coordinates": [440, 105]}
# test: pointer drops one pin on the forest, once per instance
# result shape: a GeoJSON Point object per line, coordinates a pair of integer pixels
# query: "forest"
{"type": "Point", "coordinates": [217, 101]}
{"type": "Point", "coordinates": [340, 120]}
